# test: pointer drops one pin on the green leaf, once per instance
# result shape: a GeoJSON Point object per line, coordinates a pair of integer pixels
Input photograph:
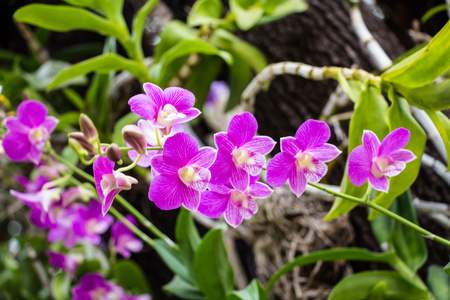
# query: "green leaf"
{"type": "Point", "coordinates": [254, 291]}
{"type": "Point", "coordinates": [370, 113]}
{"type": "Point", "coordinates": [431, 97]}
{"type": "Point", "coordinates": [269, 6]}
{"type": "Point", "coordinates": [129, 118]}
{"type": "Point", "coordinates": [205, 12]}
{"type": "Point", "coordinates": [447, 269]}
{"type": "Point", "coordinates": [378, 292]}
{"type": "Point", "coordinates": [432, 11]}
{"type": "Point", "coordinates": [104, 63]}
{"type": "Point", "coordinates": [183, 289]}
{"type": "Point", "coordinates": [173, 33]}
{"type": "Point", "coordinates": [284, 8]}
{"type": "Point", "coordinates": [247, 13]}
{"type": "Point", "coordinates": [62, 18]}
{"type": "Point", "coordinates": [438, 282]}
{"type": "Point", "coordinates": [130, 276]}
{"type": "Point", "coordinates": [99, 105]}
{"type": "Point", "coordinates": [399, 115]}
{"type": "Point", "coordinates": [442, 124]}
{"type": "Point", "coordinates": [240, 76]}
{"type": "Point", "coordinates": [60, 286]}
{"type": "Point", "coordinates": [355, 254]}
{"type": "Point", "coordinates": [212, 269]}
{"type": "Point", "coordinates": [424, 66]}
{"type": "Point", "coordinates": [74, 98]}
{"type": "Point", "coordinates": [352, 88]}
{"type": "Point", "coordinates": [360, 285]}
{"type": "Point", "coordinates": [89, 266]}
{"type": "Point", "coordinates": [187, 237]}
{"type": "Point", "coordinates": [172, 259]}
{"type": "Point", "coordinates": [110, 8]}
{"type": "Point", "coordinates": [68, 119]}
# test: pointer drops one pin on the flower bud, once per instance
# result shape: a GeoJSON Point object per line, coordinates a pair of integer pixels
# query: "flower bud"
{"type": "Point", "coordinates": [81, 139]}
{"type": "Point", "coordinates": [113, 153]}
{"type": "Point", "coordinates": [134, 136]}
{"type": "Point", "coordinates": [88, 128]}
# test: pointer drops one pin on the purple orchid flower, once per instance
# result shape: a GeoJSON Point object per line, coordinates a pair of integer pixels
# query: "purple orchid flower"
{"type": "Point", "coordinates": [165, 108]}
{"type": "Point", "coordinates": [374, 160]}
{"type": "Point", "coordinates": [93, 286]}
{"type": "Point", "coordinates": [240, 154]}
{"type": "Point", "coordinates": [28, 132]}
{"type": "Point", "coordinates": [62, 225]}
{"type": "Point", "coordinates": [183, 173]}
{"type": "Point", "coordinates": [150, 136]}
{"type": "Point", "coordinates": [90, 223]}
{"type": "Point", "coordinates": [124, 240]}
{"type": "Point", "coordinates": [302, 158]}
{"type": "Point", "coordinates": [109, 182]}
{"type": "Point", "coordinates": [236, 204]}
{"type": "Point", "coordinates": [67, 262]}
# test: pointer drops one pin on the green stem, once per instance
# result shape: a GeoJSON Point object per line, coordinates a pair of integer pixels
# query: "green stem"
{"type": "Point", "coordinates": [427, 234]}
{"type": "Point", "coordinates": [140, 217]}
{"type": "Point", "coordinates": [131, 166]}
{"type": "Point", "coordinates": [148, 148]}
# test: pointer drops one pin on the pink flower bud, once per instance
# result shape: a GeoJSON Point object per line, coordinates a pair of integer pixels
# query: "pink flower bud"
{"type": "Point", "coordinates": [81, 139]}
{"type": "Point", "coordinates": [77, 147]}
{"type": "Point", "coordinates": [113, 153]}
{"type": "Point", "coordinates": [88, 128]}
{"type": "Point", "coordinates": [134, 136]}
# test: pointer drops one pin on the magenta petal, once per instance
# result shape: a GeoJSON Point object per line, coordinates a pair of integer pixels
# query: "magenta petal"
{"type": "Point", "coordinates": [260, 190]}
{"type": "Point", "coordinates": [201, 184]}
{"type": "Point", "coordinates": [213, 204]}
{"type": "Point", "coordinates": [221, 168]}
{"type": "Point", "coordinates": [395, 140]}
{"type": "Point", "coordinates": [402, 155]}
{"type": "Point", "coordinates": [259, 144]}
{"type": "Point", "coordinates": [297, 181]}
{"type": "Point", "coordinates": [250, 210]}
{"type": "Point", "coordinates": [279, 168]}
{"type": "Point", "coordinates": [359, 166]}
{"type": "Point", "coordinates": [31, 113]}
{"type": "Point", "coordinates": [107, 202]}
{"type": "Point", "coordinates": [242, 128]}
{"type": "Point", "coordinates": [189, 196]}
{"type": "Point", "coordinates": [14, 125]}
{"type": "Point", "coordinates": [220, 188]}
{"type": "Point", "coordinates": [144, 107]}
{"type": "Point", "coordinates": [316, 175]}
{"type": "Point", "coordinates": [255, 168]}
{"type": "Point", "coordinates": [399, 167]}
{"type": "Point", "coordinates": [324, 153]}
{"type": "Point", "coordinates": [371, 143]}
{"type": "Point", "coordinates": [204, 158]}
{"type": "Point", "coordinates": [232, 215]}
{"type": "Point", "coordinates": [16, 146]}
{"type": "Point", "coordinates": [380, 184]}
{"type": "Point", "coordinates": [145, 160]}
{"type": "Point", "coordinates": [290, 146]}
{"type": "Point", "coordinates": [101, 166]}
{"type": "Point", "coordinates": [313, 133]}
{"type": "Point", "coordinates": [164, 166]}
{"type": "Point", "coordinates": [239, 178]}
{"type": "Point", "coordinates": [164, 192]}
{"type": "Point", "coordinates": [155, 94]}
{"type": "Point", "coordinates": [223, 142]}
{"type": "Point", "coordinates": [180, 148]}
{"type": "Point", "coordinates": [180, 98]}
{"type": "Point", "coordinates": [50, 123]}
{"type": "Point", "coordinates": [191, 113]}
{"type": "Point", "coordinates": [35, 153]}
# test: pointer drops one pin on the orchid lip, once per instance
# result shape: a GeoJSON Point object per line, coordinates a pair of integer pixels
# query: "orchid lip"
{"type": "Point", "coordinates": [168, 115]}
{"type": "Point", "coordinates": [188, 174]}
{"type": "Point", "coordinates": [305, 161]}
{"type": "Point", "coordinates": [242, 156]}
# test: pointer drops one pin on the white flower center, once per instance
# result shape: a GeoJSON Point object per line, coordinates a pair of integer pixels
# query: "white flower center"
{"type": "Point", "coordinates": [36, 135]}
{"type": "Point", "coordinates": [168, 115]}
{"type": "Point", "coordinates": [242, 156]}
{"type": "Point", "coordinates": [384, 164]}
{"type": "Point", "coordinates": [239, 199]}
{"type": "Point", "coordinates": [305, 161]}
{"type": "Point", "coordinates": [188, 174]}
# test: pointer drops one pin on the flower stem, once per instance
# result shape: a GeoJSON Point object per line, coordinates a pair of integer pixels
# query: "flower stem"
{"type": "Point", "coordinates": [131, 166]}
{"type": "Point", "coordinates": [148, 148]}
{"type": "Point", "coordinates": [427, 234]}
{"type": "Point", "coordinates": [141, 218]}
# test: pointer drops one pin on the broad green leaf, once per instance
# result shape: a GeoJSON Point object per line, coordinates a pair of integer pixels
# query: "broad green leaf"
{"type": "Point", "coordinates": [99, 105]}
{"type": "Point", "coordinates": [62, 18]}
{"type": "Point", "coordinates": [172, 259]}
{"type": "Point", "coordinates": [246, 12]}
{"type": "Point", "coordinates": [370, 113]}
{"type": "Point", "coordinates": [269, 6]}
{"type": "Point", "coordinates": [229, 42]}
{"type": "Point", "coordinates": [399, 115]}
{"type": "Point", "coordinates": [406, 242]}
{"type": "Point", "coordinates": [183, 289]}
{"type": "Point", "coordinates": [240, 76]}
{"type": "Point", "coordinates": [352, 88]}
{"type": "Point", "coordinates": [254, 291]}
{"type": "Point", "coordinates": [139, 23]}
{"type": "Point", "coordinates": [187, 237]}
{"type": "Point", "coordinates": [129, 118]}
{"type": "Point", "coordinates": [359, 286]}
{"type": "Point", "coordinates": [173, 33]}
{"type": "Point", "coordinates": [438, 282]}
{"type": "Point", "coordinates": [70, 155]}
{"type": "Point", "coordinates": [354, 254]}
{"type": "Point", "coordinates": [205, 12]}
{"type": "Point", "coordinates": [378, 292]}
{"type": "Point", "coordinates": [212, 269]}
{"type": "Point", "coordinates": [104, 63]}
{"type": "Point", "coordinates": [109, 8]}
{"type": "Point", "coordinates": [442, 124]}
{"type": "Point", "coordinates": [284, 8]}
{"type": "Point", "coordinates": [67, 120]}
{"type": "Point", "coordinates": [432, 11]}
{"type": "Point", "coordinates": [432, 97]}
{"type": "Point", "coordinates": [60, 286]}
{"type": "Point", "coordinates": [424, 66]}
{"type": "Point", "coordinates": [89, 266]}
{"type": "Point", "coordinates": [75, 99]}
{"type": "Point", "coordinates": [130, 276]}
{"type": "Point", "coordinates": [447, 269]}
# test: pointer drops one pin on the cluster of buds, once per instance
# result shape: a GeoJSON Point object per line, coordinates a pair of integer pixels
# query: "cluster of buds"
{"type": "Point", "coordinates": [85, 142]}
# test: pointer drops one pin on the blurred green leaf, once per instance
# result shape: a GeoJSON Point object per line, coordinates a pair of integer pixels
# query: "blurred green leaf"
{"type": "Point", "coordinates": [205, 12]}
{"type": "Point", "coordinates": [246, 12]}
{"type": "Point", "coordinates": [399, 115]}
{"type": "Point", "coordinates": [75, 99]}
{"type": "Point", "coordinates": [370, 113]}
{"type": "Point", "coordinates": [173, 33]}
{"type": "Point", "coordinates": [424, 66]}
{"type": "Point", "coordinates": [282, 9]}
{"type": "Point", "coordinates": [60, 286]}
{"type": "Point", "coordinates": [130, 276]}
{"type": "Point", "coordinates": [62, 18]}
{"type": "Point", "coordinates": [442, 124]}
{"type": "Point", "coordinates": [447, 269]}
{"type": "Point", "coordinates": [239, 77]}
{"type": "Point", "coordinates": [89, 266]}
{"type": "Point", "coordinates": [212, 269]}
{"type": "Point", "coordinates": [254, 291]}
{"type": "Point", "coordinates": [431, 97]}
{"type": "Point", "coordinates": [68, 119]}
{"type": "Point", "coordinates": [269, 6]}
{"type": "Point", "coordinates": [172, 259]}
{"type": "Point", "coordinates": [438, 282]}
{"type": "Point", "coordinates": [109, 8]}
{"type": "Point", "coordinates": [183, 289]}
{"type": "Point", "coordinates": [359, 286]}
{"type": "Point", "coordinates": [434, 10]}
{"type": "Point", "coordinates": [378, 292]}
